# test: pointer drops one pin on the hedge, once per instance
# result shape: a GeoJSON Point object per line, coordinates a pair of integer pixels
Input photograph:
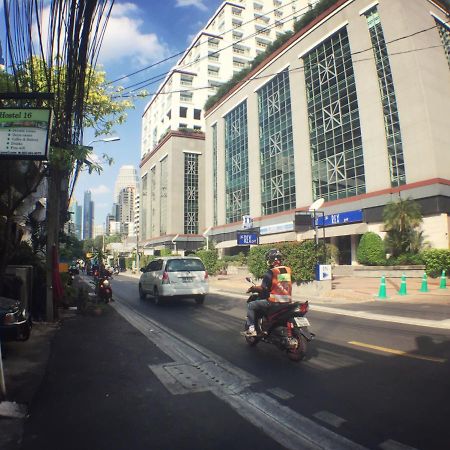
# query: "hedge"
{"type": "Point", "coordinates": [370, 250]}
{"type": "Point", "coordinates": [436, 260]}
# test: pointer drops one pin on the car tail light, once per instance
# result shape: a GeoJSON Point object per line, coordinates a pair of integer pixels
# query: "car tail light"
{"type": "Point", "coordinates": [206, 275]}
{"type": "Point", "coordinates": [165, 278]}
{"type": "Point", "coordinates": [9, 318]}
{"type": "Point", "coordinates": [304, 308]}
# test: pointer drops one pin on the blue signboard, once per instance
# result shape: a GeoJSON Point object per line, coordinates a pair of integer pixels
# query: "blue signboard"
{"type": "Point", "coordinates": [247, 238]}
{"type": "Point", "coordinates": [340, 218]}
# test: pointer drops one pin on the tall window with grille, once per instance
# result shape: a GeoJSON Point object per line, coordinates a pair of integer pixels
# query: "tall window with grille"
{"type": "Point", "coordinates": [214, 156]}
{"type": "Point", "coordinates": [163, 194]}
{"type": "Point", "coordinates": [152, 201]}
{"type": "Point", "coordinates": [276, 145]}
{"type": "Point", "coordinates": [334, 126]}
{"type": "Point", "coordinates": [191, 193]}
{"type": "Point", "coordinates": [143, 211]}
{"type": "Point", "coordinates": [444, 33]}
{"type": "Point", "coordinates": [388, 100]}
{"type": "Point", "coordinates": [236, 164]}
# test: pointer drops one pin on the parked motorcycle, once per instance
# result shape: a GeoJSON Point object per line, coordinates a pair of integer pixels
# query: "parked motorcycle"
{"type": "Point", "coordinates": [104, 291]}
{"type": "Point", "coordinates": [283, 325]}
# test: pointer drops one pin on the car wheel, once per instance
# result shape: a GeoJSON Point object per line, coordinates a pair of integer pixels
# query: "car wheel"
{"type": "Point", "coordinates": [25, 332]}
{"type": "Point", "coordinates": [158, 299]}
{"type": "Point", "coordinates": [200, 299]}
{"type": "Point", "coordinates": [142, 294]}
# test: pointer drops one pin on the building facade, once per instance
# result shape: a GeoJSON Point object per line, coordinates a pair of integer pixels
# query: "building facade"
{"type": "Point", "coordinates": [347, 111]}
{"type": "Point", "coordinates": [237, 33]}
{"type": "Point", "coordinates": [88, 216]}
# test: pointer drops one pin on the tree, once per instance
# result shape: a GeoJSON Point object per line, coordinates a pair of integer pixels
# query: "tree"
{"type": "Point", "coordinates": [56, 65]}
{"type": "Point", "coordinates": [370, 250]}
{"type": "Point", "coordinates": [401, 221]}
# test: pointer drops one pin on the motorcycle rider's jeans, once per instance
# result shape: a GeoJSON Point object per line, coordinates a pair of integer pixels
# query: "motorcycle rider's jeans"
{"type": "Point", "coordinates": [256, 305]}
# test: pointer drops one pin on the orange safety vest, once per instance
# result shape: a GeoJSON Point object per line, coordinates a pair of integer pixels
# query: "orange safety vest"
{"type": "Point", "coordinates": [281, 291]}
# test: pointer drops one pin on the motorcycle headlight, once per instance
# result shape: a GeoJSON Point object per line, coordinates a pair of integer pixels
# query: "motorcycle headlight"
{"type": "Point", "coordinates": [106, 283]}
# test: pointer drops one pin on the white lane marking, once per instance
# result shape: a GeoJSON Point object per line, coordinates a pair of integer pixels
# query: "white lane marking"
{"type": "Point", "coordinates": [442, 324]}
{"type": "Point", "coordinates": [280, 393]}
{"type": "Point", "coordinates": [394, 445]}
{"type": "Point", "coordinates": [231, 385]}
{"type": "Point", "coordinates": [329, 418]}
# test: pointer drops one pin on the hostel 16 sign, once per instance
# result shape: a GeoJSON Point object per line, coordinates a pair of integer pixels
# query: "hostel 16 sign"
{"type": "Point", "coordinates": [24, 133]}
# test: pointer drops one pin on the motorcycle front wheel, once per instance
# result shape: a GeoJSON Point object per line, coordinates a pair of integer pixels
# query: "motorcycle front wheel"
{"type": "Point", "coordinates": [251, 340]}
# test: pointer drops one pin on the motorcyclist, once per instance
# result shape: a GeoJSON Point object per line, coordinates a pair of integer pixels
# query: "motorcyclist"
{"type": "Point", "coordinates": [275, 288]}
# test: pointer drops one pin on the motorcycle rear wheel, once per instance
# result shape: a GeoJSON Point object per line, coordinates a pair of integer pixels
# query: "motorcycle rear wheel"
{"type": "Point", "coordinates": [298, 353]}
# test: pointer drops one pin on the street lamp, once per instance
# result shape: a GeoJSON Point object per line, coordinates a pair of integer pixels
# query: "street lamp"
{"type": "Point", "coordinates": [106, 139]}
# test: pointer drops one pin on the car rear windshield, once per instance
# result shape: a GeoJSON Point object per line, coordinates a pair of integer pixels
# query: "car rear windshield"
{"type": "Point", "coordinates": [180, 265]}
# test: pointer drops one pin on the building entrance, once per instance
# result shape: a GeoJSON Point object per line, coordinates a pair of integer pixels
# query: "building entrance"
{"type": "Point", "coordinates": [344, 244]}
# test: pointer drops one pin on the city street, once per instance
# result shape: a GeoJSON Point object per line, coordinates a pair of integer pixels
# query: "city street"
{"type": "Point", "coordinates": [181, 376]}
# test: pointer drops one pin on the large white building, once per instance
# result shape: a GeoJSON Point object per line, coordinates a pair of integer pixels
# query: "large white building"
{"type": "Point", "coordinates": [353, 109]}
{"type": "Point", "coordinates": [173, 121]}
{"type": "Point", "coordinates": [127, 177]}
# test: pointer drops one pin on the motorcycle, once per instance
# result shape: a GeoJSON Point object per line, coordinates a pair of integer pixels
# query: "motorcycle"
{"type": "Point", "coordinates": [283, 325]}
{"type": "Point", "coordinates": [104, 291]}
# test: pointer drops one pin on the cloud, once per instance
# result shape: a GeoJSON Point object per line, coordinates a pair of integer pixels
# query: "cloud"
{"type": "Point", "coordinates": [124, 38]}
{"type": "Point", "coordinates": [196, 3]}
{"type": "Point", "coordinates": [100, 190]}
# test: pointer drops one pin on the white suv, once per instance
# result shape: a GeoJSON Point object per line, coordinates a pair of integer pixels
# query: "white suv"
{"type": "Point", "coordinates": [174, 276]}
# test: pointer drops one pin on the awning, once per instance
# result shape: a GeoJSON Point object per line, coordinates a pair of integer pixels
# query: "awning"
{"type": "Point", "coordinates": [279, 237]}
{"type": "Point", "coordinates": [341, 230]}
{"type": "Point", "coordinates": [226, 244]}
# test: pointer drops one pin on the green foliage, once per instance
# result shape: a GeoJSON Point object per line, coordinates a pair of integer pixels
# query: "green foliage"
{"type": "Point", "coordinates": [406, 259]}
{"type": "Point", "coordinates": [235, 260]}
{"type": "Point", "coordinates": [401, 220]}
{"type": "Point", "coordinates": [332, 254]}
{"type": "Point", "coordinates": [210, 260]}
{"type": "Point", "coordinates": [301, 257]}
{"type": "Point", "coordinates": [238, 77]}
{"type": "Point", "coordinates": [71, 249]}
{"type": "Point", "coordinates": [256, 260]}
{"type": "Point", "coordinates": [436, 260]}
{"type": "Point", "coordinates": [371, 250]}
{"type": "Point", "coordinates": [309, 16]}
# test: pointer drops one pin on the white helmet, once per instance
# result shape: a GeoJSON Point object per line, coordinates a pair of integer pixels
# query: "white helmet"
{"type": "Point", "coordinates": [105, 283]}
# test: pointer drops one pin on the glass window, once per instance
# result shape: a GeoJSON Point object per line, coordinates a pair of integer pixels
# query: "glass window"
{"type": "Point", "coordinates": [197, 114]}
{"type": "Point", "coordinates": [185, 264]}
{"type": "Point", "coordinates": [191, 193]}
{"type": "Point", "coordinates": [214, 155]}
{"type": "Point", "coordinates": [163, 201]}
{"type": "Point", "coordinates": [183, 111]}
{"type": "Point", "coordinates": [334, 129]}
{"type": "Point", "coordinates": [236, 164]}
{"type": "Point", "coordinates": [444, 33]}
{"type": "Point", "coordinates": [388, 100]}
{"type": "Point", "coordinates": [276, 145]}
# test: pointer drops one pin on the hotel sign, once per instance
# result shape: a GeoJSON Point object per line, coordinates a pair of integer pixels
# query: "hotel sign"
{"type": "Point", "coordinates": [24, 133]}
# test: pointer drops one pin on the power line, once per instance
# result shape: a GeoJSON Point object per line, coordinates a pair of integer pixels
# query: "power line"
{"type": "Point", "coordinates": [184, 51]}
{"type": "Point", "coordinates": [152, 80]}
{"type": "Point", "coordinates": [302, 67]}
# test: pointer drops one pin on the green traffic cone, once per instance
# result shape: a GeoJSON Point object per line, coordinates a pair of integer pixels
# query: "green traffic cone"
{"type": "Point", "coordinates": [443, 282]}
{"type": "Point", "coordinates": [402, 290]}
{"type": "Point", "coordinates": [424, 287]}
{"type": "Point", "coordinates": [382, 291]}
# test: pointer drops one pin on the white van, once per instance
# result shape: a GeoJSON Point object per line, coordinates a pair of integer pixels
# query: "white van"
{"type": "Point", "coordinates": [174, 276]}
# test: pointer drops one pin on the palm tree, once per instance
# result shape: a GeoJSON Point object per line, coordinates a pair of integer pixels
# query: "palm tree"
{"type": "Point", "coordinates": [401, 220]}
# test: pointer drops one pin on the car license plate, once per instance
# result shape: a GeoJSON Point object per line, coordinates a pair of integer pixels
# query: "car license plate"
{"type": "Point", "coordinates": [187, 279]}
{"type": "Point", "coordinates": [301, 321]}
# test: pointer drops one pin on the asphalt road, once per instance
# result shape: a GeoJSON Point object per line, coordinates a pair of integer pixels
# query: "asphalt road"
{"type": "Point", "coordinates": [181, 376]}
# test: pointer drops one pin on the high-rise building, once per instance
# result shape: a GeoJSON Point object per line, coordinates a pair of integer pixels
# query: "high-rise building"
{"type": "Point", "coordinates": [127, 177]}
{"type": "Point", "coordinates": [126, 209]}
{"type": "Point", "coordinates": [77, 218]}
{"type": "Point", "coordinates": [236, 33]}
{"type": "Point", "coordinates": [88, 216]}
{"type": "Point", "coordinates": [173, 140]}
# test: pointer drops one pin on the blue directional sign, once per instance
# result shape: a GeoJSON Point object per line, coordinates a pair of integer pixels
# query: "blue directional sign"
{"type": "Point", "coordinates": [340, 218]}
{"type": "Point", "coordinates": [247, 238]}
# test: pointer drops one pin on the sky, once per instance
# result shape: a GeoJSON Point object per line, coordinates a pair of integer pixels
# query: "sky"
{"type": "Point", "coordinates": [139, 33]}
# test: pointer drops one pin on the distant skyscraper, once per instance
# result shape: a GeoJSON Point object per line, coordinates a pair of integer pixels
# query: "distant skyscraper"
{"type": "Point", "coordinates": [77, 218]}
{"type": "Point", "coordinates": [127, 177]}
{"type": "Point", "coordinates": [88, 216]}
